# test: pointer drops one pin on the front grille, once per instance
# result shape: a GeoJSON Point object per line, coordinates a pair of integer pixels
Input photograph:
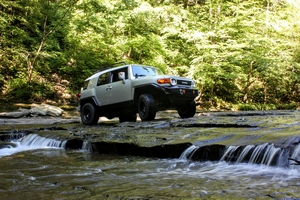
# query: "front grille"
{"type": "Point", "coordinates": [184, 82]}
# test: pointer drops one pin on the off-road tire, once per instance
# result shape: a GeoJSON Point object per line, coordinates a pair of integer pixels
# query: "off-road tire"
{"type": "Point", "coordinates": [187, 111]}
{"type": "Point", "coordinates": [146, 107]}
{"type": "Point", "coordinates": [89, 114]}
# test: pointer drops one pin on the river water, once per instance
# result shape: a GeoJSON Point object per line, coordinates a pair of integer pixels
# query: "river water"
{"type": "Point", "coordinates": [41, 168]}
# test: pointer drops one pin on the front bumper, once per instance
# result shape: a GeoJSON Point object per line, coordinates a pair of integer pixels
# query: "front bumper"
{"type": "Point", "coordinates": [178, 96]}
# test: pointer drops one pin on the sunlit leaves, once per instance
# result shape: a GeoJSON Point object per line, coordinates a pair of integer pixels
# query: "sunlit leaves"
{"type": "Point", "coordinates": [238, 51]}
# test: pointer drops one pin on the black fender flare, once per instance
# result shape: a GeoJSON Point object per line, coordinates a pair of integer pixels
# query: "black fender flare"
{"type": "Point", "coordinates": [88, 100]}
{"type": "Point", "coordinates": [152, 89]}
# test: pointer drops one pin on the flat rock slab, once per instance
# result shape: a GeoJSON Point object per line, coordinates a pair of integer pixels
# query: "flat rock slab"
{"type": "Point", "coordinates": [37, 121]}
{"type": "Point", "coordinates": [36, 110]}
{"type": "Point", "coordinates": [225, 128]}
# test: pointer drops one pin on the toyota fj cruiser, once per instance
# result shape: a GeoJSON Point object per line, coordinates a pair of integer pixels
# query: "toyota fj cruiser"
{"type": "Point", "coordinates": [126, 90]}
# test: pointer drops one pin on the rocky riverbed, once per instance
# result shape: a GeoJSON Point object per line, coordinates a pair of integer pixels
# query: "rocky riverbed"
{"type": "Point", "coordinates": [165, 137]}
{"type": "Point", "coordinates": [214, 155]}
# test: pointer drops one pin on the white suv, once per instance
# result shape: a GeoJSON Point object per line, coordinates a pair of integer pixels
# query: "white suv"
{"type": "Point", "coordinates": [129, 89]}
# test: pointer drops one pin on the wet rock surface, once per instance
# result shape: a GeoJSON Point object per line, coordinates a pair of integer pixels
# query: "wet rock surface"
{"type": "Point", "coordinates": [165, 137]}
{"type": "Point", "coordinates": [35, 110]}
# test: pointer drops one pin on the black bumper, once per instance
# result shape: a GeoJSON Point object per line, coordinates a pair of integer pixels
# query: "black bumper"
{"type": "Point", "coordinates": [176, 97]}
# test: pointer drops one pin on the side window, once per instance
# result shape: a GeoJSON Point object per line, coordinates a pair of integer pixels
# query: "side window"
{"type": "Point", "coordinates": [85, 85]}
{"type": "Point", "coordinates": [103, 79]}
{"type": "Point", "coordinates": [115, 74]}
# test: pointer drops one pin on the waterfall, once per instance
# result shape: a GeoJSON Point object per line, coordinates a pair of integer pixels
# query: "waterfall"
{"type": "Point", "coordinates": [296, 152]}
{"type": "Point", "coordinates": [295, 156]}
{"type": "Point", "coordinates": [263, 154]}
{"type": "Point", "coordinates": [188, 153]}
{"type": "Point", "coordinates": [86, 146]}
{"type": "Point", "coordinates": [31, 142]}
{"type": "Point", "coordinates": [244, 153]}
{"type": "Point", "coordinates": [229, 152]}
{"type": "Point", "coordinates": [255, 156]}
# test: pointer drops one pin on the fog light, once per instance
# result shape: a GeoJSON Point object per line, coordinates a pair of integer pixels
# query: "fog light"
{"type": "Point", "coordinates": [182, 91]}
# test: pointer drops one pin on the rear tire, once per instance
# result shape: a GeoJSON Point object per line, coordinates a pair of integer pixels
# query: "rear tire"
{"type": "Point", "coordinates": [89, 114]}
{"type": "Point", "coordinates": [188, 111]}
{"type": "Point", "coordinates": [146, 107]}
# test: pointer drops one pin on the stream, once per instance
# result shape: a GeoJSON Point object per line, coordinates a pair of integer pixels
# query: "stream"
{"type": "Point", "coordinates": [38, 167]}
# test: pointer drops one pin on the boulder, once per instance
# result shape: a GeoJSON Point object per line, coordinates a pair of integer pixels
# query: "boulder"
{"type": "Point", "coordinates": [45, 109]}
{"type": "Point", "coordinates": [36, 110]}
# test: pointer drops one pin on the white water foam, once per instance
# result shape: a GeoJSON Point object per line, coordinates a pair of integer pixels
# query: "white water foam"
{"type": "Point", "coordinates": [223, 170]}
{"type": "Point", "coordinates": [243, 174]}
{"type": "Point", "coordinates": [31, 142]}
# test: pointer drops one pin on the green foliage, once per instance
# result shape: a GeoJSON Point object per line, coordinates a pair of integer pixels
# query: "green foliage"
{"type": "Point", "coordinates": [20, 90]}
{"type": "Point", "coordinates": [257, 106]}
{"type": "Point", "coordinates": [240, 52]}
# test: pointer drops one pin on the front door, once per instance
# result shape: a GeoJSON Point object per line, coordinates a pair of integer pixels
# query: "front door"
{"type": "Point", "coordinates": [114, 90]}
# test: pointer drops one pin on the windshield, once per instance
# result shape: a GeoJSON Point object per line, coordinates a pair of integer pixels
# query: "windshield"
{"type": "Point", "coordinates": [139, 71]}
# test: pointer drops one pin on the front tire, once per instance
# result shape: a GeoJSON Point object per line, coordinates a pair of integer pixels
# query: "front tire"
{"type": "Point", "coordinates": [89, 114]}
{"type": "Point", "coordinates": [146, 107]}
{"type": "Point", "coordinates": [188, 111]}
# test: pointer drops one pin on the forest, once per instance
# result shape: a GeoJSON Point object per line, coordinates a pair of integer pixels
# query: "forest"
{"type": "Point", "coordinates": [243, 54]}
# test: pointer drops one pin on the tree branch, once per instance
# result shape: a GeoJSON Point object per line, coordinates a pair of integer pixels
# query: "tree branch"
{"type": "Point", "coordinates": [45, 35]}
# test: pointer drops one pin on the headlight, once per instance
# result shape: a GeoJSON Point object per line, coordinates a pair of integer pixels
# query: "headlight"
{"type": "Point", "coordinates": [173, 81]}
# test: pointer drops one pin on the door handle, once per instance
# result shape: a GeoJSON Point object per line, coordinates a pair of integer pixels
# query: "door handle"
{"type": "Point", "coordinates": [109, 87]}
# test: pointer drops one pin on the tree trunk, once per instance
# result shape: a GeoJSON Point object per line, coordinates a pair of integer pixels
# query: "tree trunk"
{"type": "Point", "coordinates": [30, 64]}
{"type": "Point", "coordinates": [248, 84]}
{"type": "Point", "coordinates": [185, 4]}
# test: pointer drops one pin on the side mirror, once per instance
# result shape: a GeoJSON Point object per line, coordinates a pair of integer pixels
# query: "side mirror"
{"type": "Point", "coordinates": [121, 76]}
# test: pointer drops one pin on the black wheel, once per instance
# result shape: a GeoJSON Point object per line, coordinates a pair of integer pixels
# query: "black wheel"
{"type": "Point", "coordinates": [89, 114]}
{"type": "Point", "coordinates": [188, 111]}
{"type": "Point", "coordinates": [128, 118]}
{"type": "Point", "coordinates": [146, 107]}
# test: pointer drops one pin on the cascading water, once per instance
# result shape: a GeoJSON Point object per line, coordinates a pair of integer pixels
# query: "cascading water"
{"type": "Point", "coordinates": [74, 174]}
{"type": "Point", "coordinates": [264, 154]}
{"type": "Point", "coordinates": [188, 153]}
{"type": "Point", "coordinates": [86, 146]}
{"type": "Point", "coordinates": [296, 152]}
{"type": "Point", "coordinates": [31, 142]}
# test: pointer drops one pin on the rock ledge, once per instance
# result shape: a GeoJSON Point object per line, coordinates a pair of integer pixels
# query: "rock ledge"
{"type": "Point", "coordinates": [36, 110]}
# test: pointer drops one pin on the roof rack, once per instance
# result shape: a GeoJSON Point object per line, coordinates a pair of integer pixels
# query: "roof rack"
{"type": "Point", "coordinates": [109, 66]}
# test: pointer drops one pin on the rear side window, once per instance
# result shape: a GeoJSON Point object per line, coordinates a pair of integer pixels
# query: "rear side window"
{"type": "Point", "coordinates": [85, 85]}
{"type": "Point", "coordinates": [103, 79]}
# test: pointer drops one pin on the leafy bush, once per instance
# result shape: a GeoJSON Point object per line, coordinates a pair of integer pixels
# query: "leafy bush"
{"type": "Point", "coordinates": [291, 106]}
{"type": "Point", "coordinates": [20, 90]}
{"type": "Point", "coordinates": [246, 107]}
{"type": "Point", "coordinates": [257, 106]}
